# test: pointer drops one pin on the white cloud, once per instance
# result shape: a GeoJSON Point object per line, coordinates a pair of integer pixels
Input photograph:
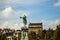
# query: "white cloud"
{"type": "Point", "coordinates": [10, 25]}
{"type": "Point", "coordinates": [7, 12]}
{"type": "Point", "coordinates": [57, 3]}
{"type": "Point", "coordinates": [4, 25]}
{"type": "Point", "coordinates": [17, 24]}
{"type": "Point", "coordinates": [50, 24]}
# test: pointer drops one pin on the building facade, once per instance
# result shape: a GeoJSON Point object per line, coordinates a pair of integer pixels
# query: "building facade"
{"type": "Point", "coordinates": [35, 27]}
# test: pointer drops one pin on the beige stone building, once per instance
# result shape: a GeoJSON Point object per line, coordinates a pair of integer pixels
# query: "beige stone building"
{"type": "Point", "coordinates": [35, 27]}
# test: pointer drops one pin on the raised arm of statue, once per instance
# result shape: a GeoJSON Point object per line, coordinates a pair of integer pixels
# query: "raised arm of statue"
{"type": "Point", "coordinates": [24, 20]}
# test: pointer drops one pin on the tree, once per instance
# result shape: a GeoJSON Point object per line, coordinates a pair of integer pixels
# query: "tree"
{"type": "Point", "coordinates": [19, 36]}
{"type": "Point", "coordinates": [3, 37]}
{"type": "Point", "coordinates": [32, 35]}
{"type": "Point", "coordinates": [40, 34]}
{"type": "Point", "coordinates": [14, 38]}
{"type": "Point", "coordinates": [49, 34]}
{"type": "Point", "coordinates": [44, 31]}
{"type": "Point", "coordinates": [57, 33]}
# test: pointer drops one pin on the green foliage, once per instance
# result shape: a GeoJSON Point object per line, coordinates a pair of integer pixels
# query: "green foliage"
{"type": "Point", "coordinates": [14, 38]}
{"type": "Point", "coordinates": [49, 34]}
{"type": "Point", "coordinates": [40, 34]}
{"type": "Point", "coordinates": [19, 36]}
{"type": "Point", "coordinates": [57, 34]}
{"type": "Point", "coordinates": [3, 37]}
{"type": "Point", "coordinates": [32, 35]}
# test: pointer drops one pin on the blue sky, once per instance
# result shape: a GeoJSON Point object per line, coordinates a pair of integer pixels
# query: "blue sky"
{"type": "Point", "coordinates": [45, 11]}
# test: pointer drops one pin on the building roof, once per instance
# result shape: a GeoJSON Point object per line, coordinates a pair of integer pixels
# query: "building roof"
{"type": "Point", "coordinates": [35, 25]}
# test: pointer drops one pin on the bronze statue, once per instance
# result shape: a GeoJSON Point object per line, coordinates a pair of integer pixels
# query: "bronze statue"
{"type": "Point", "coordinates": [24, 22]}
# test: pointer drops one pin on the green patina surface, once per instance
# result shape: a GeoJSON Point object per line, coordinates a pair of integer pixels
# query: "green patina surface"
{"type": "Point", "coordinates": [24, 22]}
{"type": "Point", "coordinates": [24, 35]}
